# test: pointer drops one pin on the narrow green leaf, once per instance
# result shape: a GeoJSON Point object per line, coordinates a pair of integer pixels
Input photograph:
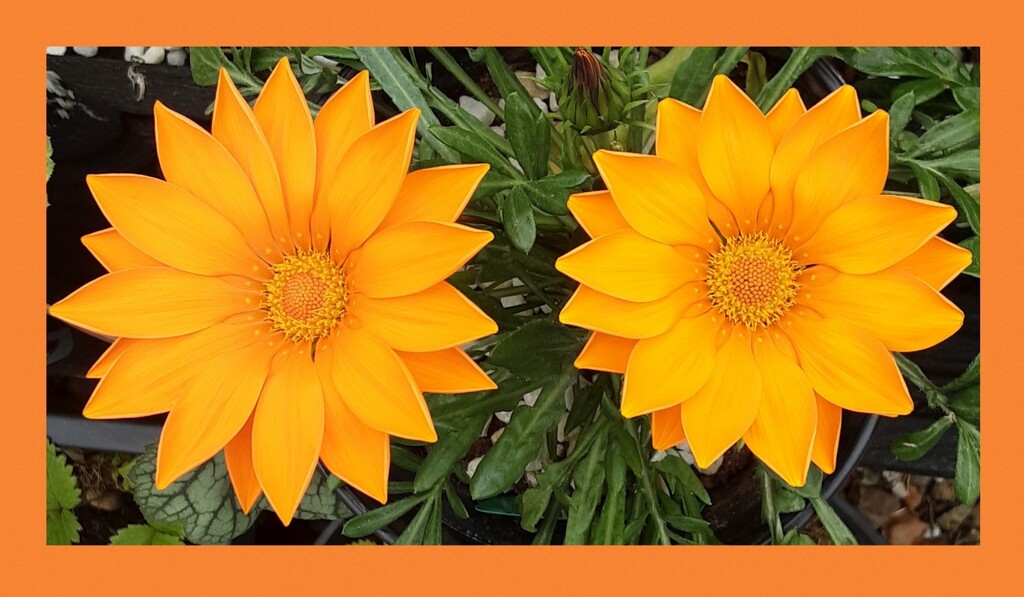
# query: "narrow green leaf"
{"type": "Point", "coordinates": [915, 445]}
{"type": "Point", "coordinates": [926, 183]}
{"type": "Point", "coordinates": [687, 523]}
{"type": "Point", "coordinates": [538, 350]}
{"type": "Point", "coordinates": [502, 76]}
{"type": "Point", "coordinates": [966, 403]}
{"type": "Point", "coordinates": [799, 61]}
{"type": "Point", "coordinates": [908, 61]}
{"type": "Point", "coordinates": [529, 134]}
{"type": "Point", "coordinates": [954, 132]}
{"type": "Point", "coordinates": [610, 528]}
{"type": "Point", "coordinates": [757, 74]}
{"type": "Point", "coordinates": [968, 98]}
{"type": "Point", "coordinates": [383, 63]}
{"type": "Point", "coordinates": [449, 449]}
{"type": "Point", "coordinates": [516, 215]}
{"type": "Point", "coordinates": [968, 205]}
{"type": "Point", "coordinates": [414, 533]}
{"type": "Point", "coordinates": [923, 89]}
{"type": "Point", "coordinates": [970, 377]}
{"type": "Point", "coordinates": [206, 63]}
{"type": "Point", "coordinates": [475, 148]}
{"type": "Point", "coordinates": [834, 526]}
{"type": "Point", "coordinates": [899, 114]}
{"type": "Point", "coordinates": [794, 537]}
{"type": "Point", "coordinates": [458, 508]}
{"type": "Point", "coordinates": [552, 60]}
{"type": "Point", "coordinates": [522, 439]}
{"type": "Point", "coordinates": [967, 475]}
{"type": "Point", "coordinates": [549, 196]}
{"type": "Point", "coordinates": [368, 522]}
{"type": "Point", "coordinates": [588, 478]}
{"type": "Point", "coordinates": [692, 79]}
{"type": "Point", "coordinates": [677, 468]}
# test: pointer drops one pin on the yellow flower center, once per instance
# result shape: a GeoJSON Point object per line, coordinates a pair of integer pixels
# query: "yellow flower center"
{"type": "Point", "coordinates": [752, 280]}
{"type": "Point", "coordinates": [306, 297]}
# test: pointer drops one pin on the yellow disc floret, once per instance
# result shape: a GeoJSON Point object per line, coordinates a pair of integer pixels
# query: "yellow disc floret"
{"type": "Point", "coordinates": [306, 297]}
{"type": "Point", "coordinates": [752, 280]}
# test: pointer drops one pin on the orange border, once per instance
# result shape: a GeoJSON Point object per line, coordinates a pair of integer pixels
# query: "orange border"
{"type": "Point", "coordinates": [29, 563]}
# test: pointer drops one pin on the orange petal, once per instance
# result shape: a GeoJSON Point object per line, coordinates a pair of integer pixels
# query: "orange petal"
{"type": "Point", "coordinates": [238, 455]}
{"type": "Point", "coordinates": [235, 126]}
{"type": "Point", "coordinates": [826, 437]}
{"type": "Point", "coordinates": [114, 252]}
{"type": "Point", "coordinates": [596, 212]}
{"type": "Point", "coordinates": [630, 267]}
{"type": "Point", "coordinates": [852, 164]}
{"type": "Point", "coordinates": [376, 385]}
{"type": "Point", "coordinates": [346, 116]}
{"type": "Point", "coordinates": [435, 194]}
{"type": "Point", "coordinates": [149, 375]}
{"type": "Point", "coordinates": [847, 366]}
{"type": "Point", "coordinates": [433, 319]}
{"type": "Point", "coordinates": [870, 234]}
{"type": "Point", "coordinates": [153, 302]}
{"type": "Point", "coordinates": [192, 159]}
{"type": "Point", "coordinates": [284, 117]}
{"type": "Point", "coordinates": [604, 352]}
{"type": "Point", "coordinates": [362, 190]}
{"type": "Point", "coordinates": [411, 257]}
{"type": "Point", "coordinates": [725, 407]}
{"type": "Point", "coordinates": [103, 364]}
{"type": "Point", "coordinates": [356, 453]}
{"type": "Point", "coordinates": [784, 114]}
{"type": "Point", "coordinates": [936, 262]}
{"type": "Point", "coordinates": [800, 140]}
{"type": "Point", "coordinates": [734, 148]}
{"type": "Point", "coordinates": [173, 226]}
{"type": "Point", "coordinates": [657, 198]}
{"type": "Point", "coordinates": [212, 408]}
{"type": "Point", "coordinates": [783, 431]}
{"type": "Point", "coordinates": [676, 141]}
{"type": "Point", "coordinates": [670, 368]}
{"type": "Point", "coordinates": [288, 429]}
{"type": "Point", "coordinates": [900, 310]}
{"type": "Point", "coordinates": [667, 428]}
{"type": "Point", "coordinates": [448, 371]}
{"type": "Point", "coordinates": [595, 311]}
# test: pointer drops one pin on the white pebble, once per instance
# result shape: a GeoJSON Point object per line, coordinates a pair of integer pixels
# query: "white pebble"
{"type": "Point", "coordinates": [87, 51]}
{"type": "Point", "coordinates": [503, 416]}
{"type": "Point", "coordinates": [176, 57]}
{"type": "Point", "coordinates": [500, 129]}
{"type": "Point", "coordinates": [531, 398]}
{"type": "Point", "coordinates": [541, 104]}
{"type": "Point", "coordinates": [471, 466]}
{"type": "Point", "coordinates": [497, 434]}
{"type": "Point", "coordinates": [133, 52]}
{"type": "Point", "coordinates": [540, 72]}
{"type": "Point", "coordinates": [658, 456]}
{"type": "Point", "coordinates": [56, 50]}
{"type": "Point", "coordinates": [513, 301]}
{"type": "Point", "coordinates": [153, 55]}
{"type": "Point", "coordinates": [477, 109]}
{"type": "Point", "coordinates": [613, 58]}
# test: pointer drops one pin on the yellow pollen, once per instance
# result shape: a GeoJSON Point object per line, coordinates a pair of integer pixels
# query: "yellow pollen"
{"type": "Point", "coordinates": [306, 297]}
{"type": "Point", "coordinates": [752, 280]}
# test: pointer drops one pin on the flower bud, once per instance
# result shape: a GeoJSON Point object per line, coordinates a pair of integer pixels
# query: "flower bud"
{"type": "Point", "coordinates": [593, 94]}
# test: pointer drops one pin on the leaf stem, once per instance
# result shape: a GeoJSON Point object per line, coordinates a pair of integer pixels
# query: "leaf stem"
{"type": "Point", "coordinates": [448, 61]}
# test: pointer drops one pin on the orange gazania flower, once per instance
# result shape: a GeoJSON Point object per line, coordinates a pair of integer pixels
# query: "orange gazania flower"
{"type": "Point", "coordinates": [751, 280]}
{"type": "Point", "coordinates": [282, 294]}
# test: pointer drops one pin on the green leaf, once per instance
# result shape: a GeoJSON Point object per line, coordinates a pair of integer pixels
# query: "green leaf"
{"type": "Point", "coordinates": [915, 445]}
{"type": "Point", "coordinates": [970, 377]}
{"type": "Point", "coordinates": [144, 534]}
{"type": "Point", "coordinates": [414, 534]}
{"type": "Point", "coordinates": [588, 478]}
{"type": "Point", "coordinates": [811, 487]}
{"type": "Point", "coordinates": [973, 244]}
{"type": "Point", "coordinates": [368, 522]}
{"type": "Point", "coordinates": [834, 526]}
{"type": "Point", "coordinates": [610, 528]}
{"type": "Point", "coordinates": [967, 475]}
{"type": "Point", "coordinates": [452, 410]}
{"type": "Point", "coordinates": [458, 508]}
{"type": "Point", "coordinates": [529, 134]}
{"type": "Point", "coordinates": [923, 89]}
{"type": "Point", "coordinates": [969, 206]}
{"type": "Point", "coordinates": [332, 52]}
{"type": "Point", "coordinates": [687, 523]}
{"type": "Point", "coordinates": [692, 79]}
{"type": "Point", "coordinates": [794, 537]}
{"type": "Point", "coordinates": [383, 63]}
{"type": "Point", "coordinates": [787, 500]}
{"type": "Point", "coordinates": [799, 61]}
{"type": "Point", "coordinates": [202, 500]}
{"type": "Point", "coordinates": [757, 74]}
{"type": "Point", "coordinates": [963, 163]}
{"type": "Point", "coordinates": [676, 467]}
{"type": "Point", "coordinates": [206, 63]}
{"type": "Point", "coordinates": [320, 501]}
{"type": "Point", "coordinates": [927, 185]}
{"type": "Point", "coordinates": [475, 148]}
{"type": "Point", "coordinates": [516, 214]}
{"type": "Point", "coordinates": [522, 439]}
{"type": "Point", "coordinates": [552, 60]}
{"type": "Point", "coordinates": [899, 114]}
{"type": "Point", "coordinates": [538, 350]}
{"type": "Point", "coordinates": [968, 98]}
{"type": "Point", "coordinates": [503, 77]}
{"type": "Point", "coordinates": [956, 131]}
{"type": "Point", "coordinates": [449, 449]}
{"type": "Point", "coordinates": [548, 195]}
{"type": "Point", "coordinates": [908, 61]}
{"type": "Point", "coordinates": [62, 496]}
{"type": "Point", "coordinates": [966, 403]}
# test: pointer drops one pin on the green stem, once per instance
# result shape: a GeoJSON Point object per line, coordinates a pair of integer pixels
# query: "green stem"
{"type": "Point", "coordinates": [463, 77]}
